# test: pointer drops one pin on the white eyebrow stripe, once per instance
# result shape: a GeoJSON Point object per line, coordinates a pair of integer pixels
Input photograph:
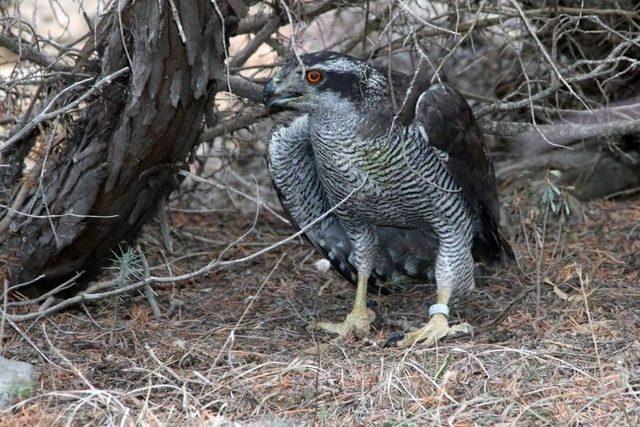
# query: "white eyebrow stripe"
{"type": "Point", "coordinates": [338, 65]}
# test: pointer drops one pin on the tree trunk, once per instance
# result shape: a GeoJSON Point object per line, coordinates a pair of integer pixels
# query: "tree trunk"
{"type": "Point", "coordinates": [123, 154]}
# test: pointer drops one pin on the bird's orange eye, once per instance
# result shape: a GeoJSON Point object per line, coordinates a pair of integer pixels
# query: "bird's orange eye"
{"type": "Point", "coordinates": [314, 76]}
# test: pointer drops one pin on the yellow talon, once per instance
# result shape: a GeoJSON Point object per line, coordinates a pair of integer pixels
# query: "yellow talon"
{"type": "Point", "coordinates": [357, 322]}
{"type": "Point", "coordinates": [437, 328]}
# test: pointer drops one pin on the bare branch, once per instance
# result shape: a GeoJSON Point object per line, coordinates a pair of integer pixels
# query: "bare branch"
{"type": "Point", "coordinates": [233, 125]}
{"type": "Point", "coordinates": [45, 114]}
{"type": "Point", "coordinates": [25, 51]}
{"type": "Point", "coordinates": [261, 36]}
{"type": "Point", "coordinates": [244, 88]}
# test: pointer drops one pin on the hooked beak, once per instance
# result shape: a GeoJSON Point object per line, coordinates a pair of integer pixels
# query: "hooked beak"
{"type": "Point", "coordinates": [276, 98]}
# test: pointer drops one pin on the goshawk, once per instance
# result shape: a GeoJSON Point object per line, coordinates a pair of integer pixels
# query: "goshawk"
{"type": "Point", "coordinates": [413, 200]}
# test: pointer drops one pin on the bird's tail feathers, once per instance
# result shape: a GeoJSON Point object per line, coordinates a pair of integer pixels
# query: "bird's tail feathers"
{"type": "Point", "coordinates": [490, 245]}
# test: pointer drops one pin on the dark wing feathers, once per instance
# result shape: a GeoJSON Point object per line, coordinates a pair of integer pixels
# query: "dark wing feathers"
{"type": "Point", "coordinates": [451, 127]}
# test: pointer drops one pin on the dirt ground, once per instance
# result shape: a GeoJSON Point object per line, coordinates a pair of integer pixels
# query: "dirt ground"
{"type": "Point", "coordinates": [557, 337]}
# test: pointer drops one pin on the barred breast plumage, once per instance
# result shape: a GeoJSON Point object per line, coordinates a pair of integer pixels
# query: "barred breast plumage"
{"type": "Point", "coordinates": [404, 182]}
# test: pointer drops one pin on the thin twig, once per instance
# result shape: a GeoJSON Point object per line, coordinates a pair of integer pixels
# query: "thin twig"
{"type": "Point", "coordinates": [45, 114]}
{"type": "Point", "coordinates": [148, 291]}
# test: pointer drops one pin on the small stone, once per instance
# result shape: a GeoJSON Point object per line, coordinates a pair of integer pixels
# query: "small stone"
{"type": "Point", "coordinates": [17, 379]}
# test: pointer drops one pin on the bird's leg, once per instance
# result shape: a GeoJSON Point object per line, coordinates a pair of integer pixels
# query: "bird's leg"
{"type": "Point", "coordinates": [358, 321]}
{"type": "Point", "coordinates": [454, 270]}
{"type": "Point", "coordinates": [437, 327]}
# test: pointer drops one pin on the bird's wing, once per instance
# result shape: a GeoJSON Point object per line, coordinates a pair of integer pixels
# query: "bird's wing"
{"type": "Point", "coordinates": [292, 169]}
{"type": "Point", "coordinates": [447, 119]}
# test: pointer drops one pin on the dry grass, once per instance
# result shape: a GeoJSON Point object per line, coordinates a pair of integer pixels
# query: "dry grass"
{"type": "Point", "coordinates": [232, 349]}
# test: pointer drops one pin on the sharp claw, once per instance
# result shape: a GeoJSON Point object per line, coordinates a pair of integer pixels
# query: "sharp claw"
{"type": "Point", "coordinates": [434, 330]}
{"type": "Point", "coordinates": [393, 339]}
{"type": "Point", "coordinates": [460, 329]}
{"type": "Point", "coordinates": [357, 322]}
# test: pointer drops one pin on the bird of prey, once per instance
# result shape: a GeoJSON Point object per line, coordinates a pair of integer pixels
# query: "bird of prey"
{"type": "Point", "coordinates": [410, 200]}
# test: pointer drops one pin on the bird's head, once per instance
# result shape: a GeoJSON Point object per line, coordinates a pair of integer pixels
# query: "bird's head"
{"type": "Point", "coordinates": [322, 80]}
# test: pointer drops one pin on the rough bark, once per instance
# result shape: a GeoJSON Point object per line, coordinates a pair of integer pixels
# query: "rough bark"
{"type": "Point", "coordinates": [124, 152]}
